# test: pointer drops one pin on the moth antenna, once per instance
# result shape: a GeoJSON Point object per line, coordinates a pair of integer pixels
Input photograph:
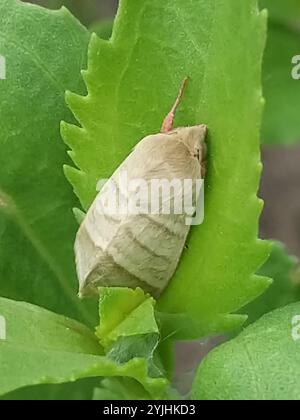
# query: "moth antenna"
{"type": "Point", "coordinates": [167, 125]}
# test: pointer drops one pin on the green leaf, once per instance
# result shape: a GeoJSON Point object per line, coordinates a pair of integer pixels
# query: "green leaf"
{"type": "Point", "coordinates": [124, 312]}
{"type": "Point", "coordinates": [37, 228]}
{"type": "Point", "coordinates": [263, 363]}
{"type": "Point", "coordinates": [40, 347]}
{"type": "Point", "coordinates": [280, 267]}
{"type": "Point", "coordinates": [128, 328]}
{"type": "Point", "coordinates": [82, 389]}
{"type": "Point", "coordinates": [132, 81]}
{"type": "Point", "coordinates": [34, 327]}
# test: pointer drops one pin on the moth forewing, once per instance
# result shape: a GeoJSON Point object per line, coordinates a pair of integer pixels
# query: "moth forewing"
{"type": "Point", "coordinates": [116, 246]}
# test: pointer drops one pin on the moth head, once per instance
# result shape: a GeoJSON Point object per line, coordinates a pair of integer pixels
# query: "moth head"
{"type": "Point", "coordinates": [194, 139]}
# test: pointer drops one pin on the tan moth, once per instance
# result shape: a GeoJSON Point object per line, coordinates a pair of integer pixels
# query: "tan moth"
{"type": "Point", "coordinates": [141, 249]}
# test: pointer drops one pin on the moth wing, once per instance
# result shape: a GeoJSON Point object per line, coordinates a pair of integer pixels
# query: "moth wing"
{"type": "Point", "coordinates": [131, 249]}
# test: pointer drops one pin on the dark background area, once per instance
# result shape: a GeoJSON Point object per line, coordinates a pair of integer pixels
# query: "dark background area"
{"type": "Point", "coordinates": [280, 190]}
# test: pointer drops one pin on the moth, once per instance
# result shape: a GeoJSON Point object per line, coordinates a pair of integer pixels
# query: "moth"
{"type": "Point", "coordinates": [143, 249]}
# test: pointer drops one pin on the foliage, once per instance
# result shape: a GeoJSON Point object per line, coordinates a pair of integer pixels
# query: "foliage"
{"type": "Point", "coordinates": [128, 96]}
{"type": "Point", "coordinates": [43, 348]}
{"type": "Point", "coordinates": [262, 363]}
{"type": "Point", "coordinates": [285, 289]}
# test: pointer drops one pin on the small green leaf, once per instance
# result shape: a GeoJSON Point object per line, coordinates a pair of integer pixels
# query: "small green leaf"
{"type": "Point", "coordinates": [132, 81]}
{"type": "Point", "coordinates": [39, 347]}
{"type": "Point", "coordinates": [128, 327]}
{"type": "Point", "coordinates": [141, 346]}
{"type": "Point", "coordinates": [123, 313]}
{"type": "Point", "coordinates": [284, 290]}
{"type": "Point", "coordinates": [263, 363]}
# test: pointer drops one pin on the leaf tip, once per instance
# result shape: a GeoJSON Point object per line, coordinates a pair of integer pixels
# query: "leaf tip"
{"type": "Point", "coordinates": [64, 129]}
{"type": "Point", "coordinates": [264, 13]}
{"type": "Point", "coordinates": [260, 284]}
{"type": "Point", "coordinates": [94, 41]}
{"type": "Point", "coordinates": [79, 215]}
{"type": "Point", "coordinates": [228, 322]}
